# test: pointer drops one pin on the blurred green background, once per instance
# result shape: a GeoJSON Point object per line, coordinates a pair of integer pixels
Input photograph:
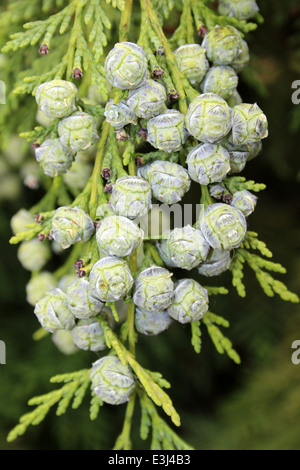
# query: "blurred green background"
{"type": "Point", "coordinates": [223, 406]}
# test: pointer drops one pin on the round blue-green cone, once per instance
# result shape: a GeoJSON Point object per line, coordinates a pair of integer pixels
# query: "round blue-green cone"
{"type": "Point", "coordinates": [112, 381]}
{"type": "Point", "coordinates": [216, 263]}
{"type": "Point", "coordinates": [153, 289]}
{"type": "Point", "coordinates": [190, 301]}
{"type": "Point", "coordinates": [88, 335]}
{"type": "Point", "coordinates": [224, 227]}
{"type": "Point", "coordinates": [151, 323]}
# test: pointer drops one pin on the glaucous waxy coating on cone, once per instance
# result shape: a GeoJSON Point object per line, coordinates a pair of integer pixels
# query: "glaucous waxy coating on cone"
{"type": "Point", "coordinates": [71, 225]}
{"type": "Point", "coordinates": [242, 59]}
{"type": "Point", "coordinates": [167, 131]}
{"type": "Point", "coordinates": [153, 289]}
{"type": "Point", "coordinates": [64, 342]}
{"type": "Point", "coordinates": [249, 124]}
{"type": "Point", "coordinates": [222, 44]}
{"type": "Point", "coordinates": [131, 197]}
{"type": "Point", "coordinates": [33, 254]}
{"type": "Point", "coordinates": [254, 150]}
{"type": "Point", "coordinates": [78, 175]}
{"type": "Point", "coordinates": [208, 118]}
{"type": "Point", "coordinates": [223, 226]}
{"type": "Point", "coordinates": [192, 61]}
{"type": "Point", "coordinates": [190, 301]}
{"type": "Point", "coordinates": [88, 335]}
{"type": "Point", "coordinates": [244, 201]}
{"type": "Point", "coordinates": [78, 131]}
{"type": "Point", "coordinates": [53, 313]}
{"type": "Point", "coordinates": [169, 181]}
{"type": "Point", "coordinates": [80, 301]}
{"type": "Point", "coordinates": [118, 236]}
{"type": "Point", "coordinates": [147, 100]}
{"type": "Point", "coordinates": [119, 114]}
{"type": "Point", "coordinates": [38, 286]}
{"type": "Point", "coordinates": [216, 191]}
{"type": "Point", "coordinates": [19, 221]}
{"type": "Point", "coordinates": [151, 323]}
{"type": "Point", "coordinates": [186, 247]}
{"type": "Point", "coordinates": [164, 252]}
{"type": "Point", "coordinates": [112, 381]}
{"type": "Point", "coordinates": [240, 9]}
{"type": "Point", "coordinates": [110, 279]}
{"type": "Point", "coordinates": [221, 80]}
{"type": "Point", "coordinates": [234, 99]}
{"type": "Point", "coordinates": [57, 98]}
{"type": "Point", "coordinates": [66, 280]}
{"type": "Point", "coordinates": [216, 263]}
{"type": "Point", "coordinates": [208, 163]}
{"type": "Point", "coordinates": [126, 66]}
{"type": "Point", "coordinates": [238, 155]}
{"type": "Point", "coordinates": [54, 158]}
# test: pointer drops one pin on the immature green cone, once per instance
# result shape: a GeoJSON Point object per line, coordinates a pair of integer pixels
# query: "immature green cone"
{"type": "Point", "coordinates": [19, 221]}
{"type": "Point", "coordinates": [112, 381]}
{"type": "Point", "coordinates": [64, 342]}
{"type": "Point", "coordinates": [151, 323]}
{"type": "Point", "coordinates": [153, 289]}
{"type": "Point", "coordinates": [216, 191]}
{"type": "Point", "coordinates": [242, 59]}
{"type": "Point", "coordinates": [110, 279]}
{"type": "Point", "coordinates": [208, 163]}
{"type": "Point", "coordinates": [78, 131]}
{"type": "Point", "coordinates": [222, 44]}
{"type": "Point", "coordinates": [221, 80]}
{"type": "Point", "coordinates": [169, 181]}
{"type": "Point", "coordinates": [71, 225]}
{"type": "Point", "coordinates": [234, 99]}
{"type": "Point", "coordinates": [148, 100]}
{"type": "Point", "coordinates": [164, 252]}
{"type": "Point", "coordinates": [186, 247]}
{"type": "Point", "coordinates": [190, 301]}
{"type": "Point", "coordinates": [131, 197]}
{"type": "Point", "coordinates": [167, 131]}
{"type": "Point", "coordinates": [88, 335]}
{"type": "Point", "coordinates": [57, 98]}
{"type": "Point", "coordinates": [192, 61]}
{"type": "Point", "coordinates": [53, 313]}
{"type": "Point", "coordinates": [254, 150]}
{"type": "Point", "coordinates": [38, 286]}
{"type": "Point", "coordinates": [119, 114]}
{"type": "Point", "coordinates": [80, 301]}
{"type": "Point", "coordinates": [118, 236]}
{"type": "Point", "coordinates": [66, 280]}
{"type": "Point", "coordinates": [126, 66]}
{"type": "Point", "coordinates": [216, 263]}
{"type": "Point", "coordinates": [223, 226]}
{"type": "Point", "coordinates": [78, 175]}
{"type": "Point", "coordinates": [238, 155]}
{"type": "Point", "coordinates": [249, 124]}
{"type": "Point", "coordinates": [240, 9]}
{"type": "Point", "coordinates": [33, 254]}
{"type": "Point", "coordinates": [54, 158]}
{"type": "Point", "coordinates": [244, 201]}
{"type": "Point", "coordinates": [208, 118]}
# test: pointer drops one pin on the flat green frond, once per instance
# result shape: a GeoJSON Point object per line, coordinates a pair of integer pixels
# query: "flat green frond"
{"type": "Point", "coordinates": [196, 336]}
{"type": "Point", "coordinates": [163, 437]}
{"type": "Point", "coordinates": [221, 343]}
{"type": "Point", "coordinates": [239, 183]}
{"type": "Point", "coordinates": [75, 386]}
